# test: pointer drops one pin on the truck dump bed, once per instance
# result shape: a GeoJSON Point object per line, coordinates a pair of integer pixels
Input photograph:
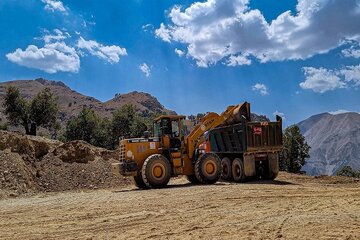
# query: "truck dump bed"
{"type": "Point", "coordinates": [247, 149]}
{"type": "Point", "coordinates": [247, 137]}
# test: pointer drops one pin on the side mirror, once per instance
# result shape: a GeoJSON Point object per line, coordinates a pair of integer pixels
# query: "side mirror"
{"type": "Point", "coordinates": [146, 134]}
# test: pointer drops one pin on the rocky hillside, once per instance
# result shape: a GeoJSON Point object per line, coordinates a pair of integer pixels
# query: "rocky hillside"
{"type": "Point", "coordinates": [71, 102]}
{"type": "Point", "coordinates": [334, 141]}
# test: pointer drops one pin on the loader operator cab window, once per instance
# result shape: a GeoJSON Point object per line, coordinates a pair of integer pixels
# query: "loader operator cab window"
{"type": "Point", "coordinates": [157, 130]}
{"type": "Point", "coordinates": [166, 126]}
{"type": "Point", "coordinates": [169, 127]}
{"type": "Point", "coordinates": [175, 128]}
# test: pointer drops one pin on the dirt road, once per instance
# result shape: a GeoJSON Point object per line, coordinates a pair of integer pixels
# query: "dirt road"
{"type": "Point", "coordinates": [293, 207]}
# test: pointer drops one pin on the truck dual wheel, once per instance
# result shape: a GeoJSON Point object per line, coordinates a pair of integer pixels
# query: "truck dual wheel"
{"type": "Point", "coordinates": [156, 171]}
{"type": "Point", "coordinates": [208, 168]}
{"type": "Point", "coordinates": [238, 172]}
{"type": "Point", "coordinates": [139, 182]}
{"type": "Point", "coordinates": [226, 169]}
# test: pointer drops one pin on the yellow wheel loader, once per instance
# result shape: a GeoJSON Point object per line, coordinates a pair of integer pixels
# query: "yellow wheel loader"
{"type": "Point", "coordinates": [152, 161]}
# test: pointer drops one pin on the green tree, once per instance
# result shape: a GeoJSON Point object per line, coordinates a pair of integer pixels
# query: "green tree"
{"type": "Point", "coordinates": [138, 127]}
{"type": "Point", "coordinates": [88, 126]}
{"type": "Point", "coordinates": [102, 133]}
{"type": "Point", "coordinates": [120, 123]}
{"type": "Point", "coordinates": [199, 116]}
{"type": "Point", "coordinates": [3, 126]}
{"type": "Point", "coordinates": [295, 150]}
{"type": "Point", "coordinates": [43, 110]}
{"type": "Point", "coordinates": [347, 171]}
{"type": "Point", "coordinates": [83, 127]}
{"type": "Point", "coordinates": [126, 122]}
{"type": "Point", "coordinates": [192, 117]}
{"type": "Point", "coordinates": [40, 111]}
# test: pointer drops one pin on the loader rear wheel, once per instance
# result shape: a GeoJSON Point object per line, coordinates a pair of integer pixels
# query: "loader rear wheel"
{"type": "Point", "coordinates": [139, 182]}
{"type": "Point", "coordinates": [192, 179]}
{"type": "Point", "coordinates": [156, 171]}
{"type": "Point", "coordinates": [238, 173]}
{"type": "Point", "coordinates": [226, 169]}
{"type": "Point", "coordinates": [208, 168]}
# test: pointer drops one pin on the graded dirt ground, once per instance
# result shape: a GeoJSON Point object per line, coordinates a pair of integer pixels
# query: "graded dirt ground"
{"type": "Point", "coordinates": [292, 207]}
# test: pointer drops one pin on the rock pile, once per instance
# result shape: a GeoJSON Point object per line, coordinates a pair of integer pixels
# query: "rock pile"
{"type": "Point", "coordinates": [35, 164]}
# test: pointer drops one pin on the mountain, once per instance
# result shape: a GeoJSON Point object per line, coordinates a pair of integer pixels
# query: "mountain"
{"type": "Point", "coordinates": [334, 141]}
{"type": "Point", "coordinates": [71, 102]}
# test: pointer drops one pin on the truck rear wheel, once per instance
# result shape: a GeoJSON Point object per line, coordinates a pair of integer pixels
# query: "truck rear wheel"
{"type": "Point", "coordinates": [139, 182]}
{"type": "Point", "coordinates": [226, 169]}
{"type": "Point", "coordinates": [238, 172]}
{"type": "Point", "coordinates": [156, 171]}
{"type": "Point", "coordinates": [208, 168]}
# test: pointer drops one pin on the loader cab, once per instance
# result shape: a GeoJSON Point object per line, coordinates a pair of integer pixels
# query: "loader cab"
{"type": "Point", "coordinates": [169, 130]}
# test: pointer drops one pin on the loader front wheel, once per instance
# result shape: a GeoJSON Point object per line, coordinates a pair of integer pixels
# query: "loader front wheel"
{"type": "Point", "coordinates": [238, 172]}
{"type": "Point", "coordinates": [226, 169]}
{"type": "Point", "coordinates": [139, 182]}
{"type": "Point", "coordinates": [156, 171]}
{"type": "Point", "coordinates": [208, 168]}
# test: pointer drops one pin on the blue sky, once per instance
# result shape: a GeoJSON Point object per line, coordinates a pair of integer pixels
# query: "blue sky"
{"type": "Point", "coordinates": [297, 58]}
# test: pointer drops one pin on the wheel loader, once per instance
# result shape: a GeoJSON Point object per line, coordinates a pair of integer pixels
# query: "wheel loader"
{"type": "Point", "coordinates": [152, 161]}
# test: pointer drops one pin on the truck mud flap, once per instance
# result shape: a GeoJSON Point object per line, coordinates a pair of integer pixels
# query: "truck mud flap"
{"type": "Point", "coordinates": [273, 159]}
{"type": "Point", "coordinates": [249, 165]}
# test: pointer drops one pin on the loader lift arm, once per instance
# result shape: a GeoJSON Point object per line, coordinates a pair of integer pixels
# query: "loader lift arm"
{"type": "Point", "coordinates": [212, 120]}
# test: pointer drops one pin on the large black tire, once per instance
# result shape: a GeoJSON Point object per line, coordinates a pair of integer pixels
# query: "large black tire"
{"type": "Point", "coordinates": [238, 172]}
{"type": "Point", "coordinates": [139, 182]}
{"type": "Point", "coordinates": [271, 177]}
{"type": "Point", "coordinates": [192, 179]}
{"type": "Point", "coordinates": [156, 171]}
{"type": "Point", "coordinates": [208, 168]}
{"type": "Point", "coordinates": [226, 173]}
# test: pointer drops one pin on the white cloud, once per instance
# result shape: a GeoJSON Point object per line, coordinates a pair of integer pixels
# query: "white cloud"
{"type": "Point", "coordinates": [56, 55]}
{"type": "Point", "coordinates": [110, 54]}
{"type": "Point", "coordinates": [57, 36]}
{"type": "Point", "coordinates": [351, 52]}
{"type": "Point", "coordinates": [351, 74]}
{"type": "Point", "coordinates": [147, 27]}
{"type": "Point", "coordinates": [54, 5]}
{"type": "Point", "coordinates": [221, 29]}
{"type": "Point", "coordinates": [322, 80]}
{"type": "Point", "coordinates": [145, 69]}
{"type": "Point", "coordinates": [282, 115]}
{"type": "Point", "coordinates": [238, 60]}
{"type": "Point", "coordinates": [163, 33]}
{"type": "Point", "coordinates": [51, 58]}
{"type": "Point", "coordinates": [261, 88]}
{"type": "Point", "coordinates": [179, 52]}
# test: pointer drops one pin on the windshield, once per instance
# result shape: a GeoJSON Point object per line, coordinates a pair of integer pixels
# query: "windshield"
{"type": "Point", "coordinates": [175, 128]}
{"type": "Point", "coordinates": [157, 129]}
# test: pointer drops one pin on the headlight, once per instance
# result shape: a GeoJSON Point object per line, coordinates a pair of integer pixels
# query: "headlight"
{"type": "Point", "coordinates": [129, 154]}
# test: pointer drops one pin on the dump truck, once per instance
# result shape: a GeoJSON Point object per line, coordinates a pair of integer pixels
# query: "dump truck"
{"type": "Point", "coordinates": [152, 161]}
{"type": "Point", "coordinates": [247, 149]}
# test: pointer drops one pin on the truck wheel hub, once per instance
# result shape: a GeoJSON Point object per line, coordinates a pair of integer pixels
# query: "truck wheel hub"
{"type": "Point", "coordinates": [237, 170]}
